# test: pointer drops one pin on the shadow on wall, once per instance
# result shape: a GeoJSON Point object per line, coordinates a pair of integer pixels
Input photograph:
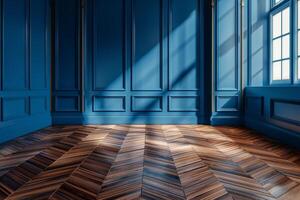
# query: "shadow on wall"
{"type": "Point", "coordinates": [149, 64]}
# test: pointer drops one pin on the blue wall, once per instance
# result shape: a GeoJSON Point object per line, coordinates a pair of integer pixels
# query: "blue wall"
{"type": "Point", "coordinates": [227, 88]}
{"type": "Point", "coordinates": [143, 62]}
{"type": "Point", "coordinates": [24, 68]}
{"type": "Point", "coordinates": [274, 110]}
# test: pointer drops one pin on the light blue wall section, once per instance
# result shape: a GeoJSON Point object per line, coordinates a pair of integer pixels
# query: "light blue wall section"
{"type": "Point", "coordinates": [258, 27]}
{"type": "Point", "coordinates": [143, 62]}
{"type": "Point", "coordinates": [272, 110]}
{"type": "Point", "coordinates": [25, 64]}
{"type": "Point", "coordinates": [227, 59]}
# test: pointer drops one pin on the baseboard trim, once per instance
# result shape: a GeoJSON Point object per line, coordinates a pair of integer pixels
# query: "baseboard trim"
{"type": "Point", "coordinates": [15, 128]}
{"type": "Point", "coordinates": [89, 119]}
{"type": "Point", "coordinates": [279, 134]}
{"type": "Point", "coordinates": [226, 120]}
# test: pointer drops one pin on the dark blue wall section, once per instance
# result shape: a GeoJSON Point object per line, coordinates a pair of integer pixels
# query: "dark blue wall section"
{"type": "Point", "coordinates": [275, 112]}
{"type": "Point", "coordinates": [227, 58]}
{"type": "Point", "coordinates": [272, 110]}
{"type": "Point", "coordinates": [25, 67]}
{"type": "Point", "coordinates": [66, 82]}
{"type": "Point", "coordinates": [143, 62]}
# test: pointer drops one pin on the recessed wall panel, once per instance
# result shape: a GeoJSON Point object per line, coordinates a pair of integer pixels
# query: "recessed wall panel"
{"type": "Point", "coordinates": [226, 45]}
{"type": "Point", "coordinates": [38, 41]}
{"type": "Point", "coordinates": [184, 103]}
{"type": "Point", "coordinates": [183, 66]}
{"type": "Point", "coordinates": [14, 108]}
{"type": "Point", "coordinates": [109, 45]}
{"type": "Point", "coordinates": [108, 103]}
{"type": "Point", "coordinates": [288, 111]}
{"type": "Point", "coordinates": [38, 105]}
{"type": "Point", "coordinates": [255, 106]}
{"type": "Point", "coordinates": [147, 103]}
{"type": "Point", "coordinates": [67, 45]}
{"type": "Point", "coordinates": [146, 52]}
{"type": "Point", "coordinates": [67, 104]}
{"type": "Point", "coordinates": [14, 45]}
{"type": "Point", "coordinates": [227, 103]}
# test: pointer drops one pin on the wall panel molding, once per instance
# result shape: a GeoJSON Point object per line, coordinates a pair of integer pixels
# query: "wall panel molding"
{"type": "Point", "coordinates": [24, 67]}
{"type": "Point", "coordinates": [109, 26]}
{"type": "Point", "coordinates": [147, 50]}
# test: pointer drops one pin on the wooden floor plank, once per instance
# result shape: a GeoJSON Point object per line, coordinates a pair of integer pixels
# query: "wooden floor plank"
{"type": "Point", "coordinates": [148, 162]}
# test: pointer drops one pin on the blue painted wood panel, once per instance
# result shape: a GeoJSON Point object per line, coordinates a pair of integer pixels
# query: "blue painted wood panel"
{"type": "Point", "coordinates": [184, 63]}
{"type": "Point", "coordinates": [15, 59]}
{"type": "Point", "coordinates": [109, 104]}
{"type": "Point", "coordinates": [227, 45]}
{"type": "Point", "coordinates": [184, 103]}
{"type": "Point", "coordinates": [258, 42]}
{"type": "Point", "coordinates": [67, 45]}
{"type": "Point", "coordinates": [147, 103]}
{"type": "Point", "coordinates": [25, 67]}
{"type": "Point", "coordinates": [67, 73]}
{"type": "Point", "coordinates": [135, 58]}
{"type": "Point", "coordinates": [38, 44]}
{"type": "Point", "coordinates": [279, 117]}
{"type": "Point", "coordinates": [109, 27]}
{"type": "Point", "coordinates": [146, 45]}
{"type": "Point", "coordinates": [227, 97]}
{"type": "Point", "coordinates": [286, 111]}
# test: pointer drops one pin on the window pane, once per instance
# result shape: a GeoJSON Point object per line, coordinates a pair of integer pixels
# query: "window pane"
{"type": "Point", "coordinates": [276, 25]}
{"type": "Point", "coordinates": [286, 47]}
{"type": "Point", "coordinates": [285, 69]}
{"type": "Point", "coordinates": [276, 1]}
{"type": "Point", "coordinates": [286, 21]}
{"type": "Point", "coordinates": [277, 70]}
{"type": "Point", "coordinates": [277, 49]}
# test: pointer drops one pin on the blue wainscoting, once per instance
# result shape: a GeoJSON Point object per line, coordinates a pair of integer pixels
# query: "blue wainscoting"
{"type": "Point", "coordinates": [25, 67]}
{"type": "Point", "coordinates": [274, 111]}
{"type": "Point", "coordinates": [227, 58]}
{"type": "Point", "coordinates": [143, 62]}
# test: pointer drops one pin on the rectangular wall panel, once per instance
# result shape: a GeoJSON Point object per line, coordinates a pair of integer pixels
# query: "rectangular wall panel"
{"type": "Point", "coordinates": [1, 46]}
{"type": "Point", "coordinates": [38, 24]}
{"type": "Point", "coordinates": [66, 104]}
{"type": "Point", "coordinates": [15, 108]}
{"type": "Point", "coordinates": [14, 45]}
{"type": "Point", "coordinates": [147, 32]}
{"type": "Point", "coordinates": [288, 111]}
{"type": "Point", "coordinates": [147, 103]}
{"type": "Point", "coordinates": [67, 45]}
{"type": "Point", "coordinates": [254, 106]}
{"type": "Point", "coordinates": [38, 105]}
{"type": "Point", "coordinates": [184, 68]}
{"type": "Point", "coordinates": [184, 103]}
{"type": "Point", "coordinates": [227, 45]}
{"type": "Point", "coordinates": [227, 103]}
{"type": "Point", "coordinates": [108, 103]}
{"type": "Point", "coordinates": [109, 45]}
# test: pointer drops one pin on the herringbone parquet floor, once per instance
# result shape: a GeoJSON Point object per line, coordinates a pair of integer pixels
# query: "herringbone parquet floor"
{"type": "Point", "coordinates": [148, 162]}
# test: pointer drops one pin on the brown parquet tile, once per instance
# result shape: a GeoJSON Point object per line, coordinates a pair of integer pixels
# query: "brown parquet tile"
{"type": "Point", "coordinates": [148, 162]}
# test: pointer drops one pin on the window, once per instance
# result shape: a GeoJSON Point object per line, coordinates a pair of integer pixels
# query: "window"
{"type": "Point", "coordinates": [281, 44]}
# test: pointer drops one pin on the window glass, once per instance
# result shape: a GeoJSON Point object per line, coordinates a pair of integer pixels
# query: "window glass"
{"type": "Point", "coordinates": [277, 25]}
{"type": "Point", "coordinates": [281, 45]}
{"type": "Point", "coordinates": [277, 70]}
